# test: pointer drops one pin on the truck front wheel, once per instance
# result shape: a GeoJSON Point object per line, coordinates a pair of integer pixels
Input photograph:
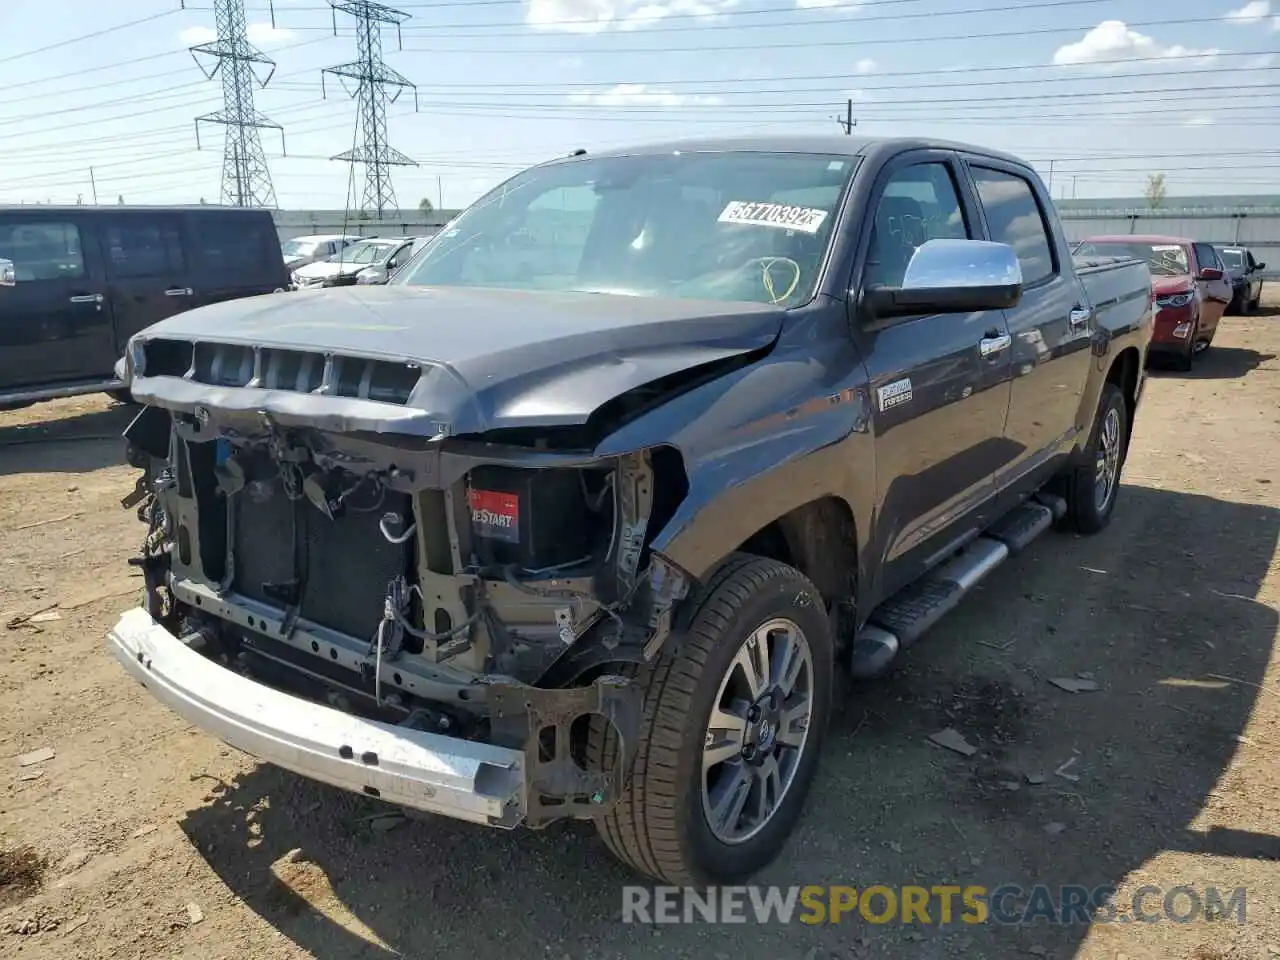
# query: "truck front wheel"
{"type": "Point", "coordinates": [734, 714]}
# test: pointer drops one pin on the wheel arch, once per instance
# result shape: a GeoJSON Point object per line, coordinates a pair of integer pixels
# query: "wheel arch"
{"type": "Point", "coordinates": [818, 538]}
{"type": "Point", "coordinates": [1124, 372]}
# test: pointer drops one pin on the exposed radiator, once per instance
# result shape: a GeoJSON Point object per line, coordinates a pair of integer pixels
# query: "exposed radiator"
{"type": "Point", "coordinates": [344, 565]}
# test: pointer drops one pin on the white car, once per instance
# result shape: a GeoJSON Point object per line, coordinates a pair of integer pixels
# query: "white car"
{"type": "Point", "coordinates": [300, 251]}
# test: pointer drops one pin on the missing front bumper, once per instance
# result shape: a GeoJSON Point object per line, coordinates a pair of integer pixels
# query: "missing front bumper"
{"type": "Point", "coordinates": [500, 786]}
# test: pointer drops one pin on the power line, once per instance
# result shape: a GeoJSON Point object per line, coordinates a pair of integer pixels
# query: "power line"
{"type": "Point", "coordinates": [809, 44]}
{"type": "Point", "coordinates": [373, 77]}
{"type": "Point", "coordinates": [88, 36]}
{"type": "Point", "coordinates": [802, 22]}
{"type": "Point", "coordinates": [129, 62]}
{"type": "Point", "coordinates": [714, 104]}
{"type": "Point", "coordinates": [735, 90]}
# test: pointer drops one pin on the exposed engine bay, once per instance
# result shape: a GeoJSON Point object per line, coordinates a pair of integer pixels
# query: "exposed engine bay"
{"type": "Point", "coordinates": [477, 591]}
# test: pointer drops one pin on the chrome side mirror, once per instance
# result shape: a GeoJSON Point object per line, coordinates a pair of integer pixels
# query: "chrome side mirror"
{"type": "Point", "coordinates": [952, 276]}
{"type": "Point", "coordinates": [8, 277]}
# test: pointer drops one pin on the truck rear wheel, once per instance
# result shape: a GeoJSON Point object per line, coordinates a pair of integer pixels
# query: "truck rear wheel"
{"type": "Point", "coordinates": [734, 714]}
{"type": "Point", "coordinates": [1092, 487]}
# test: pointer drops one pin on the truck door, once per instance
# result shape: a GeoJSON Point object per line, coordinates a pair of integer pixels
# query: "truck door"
{"type": "Point", "coordinates": [147, 277]}
{"type": "Point", "coordinates": [54, 324]}
{"type": "Point", "coordinates": [938, 396]}
{"type": "Point", "coordinates": [1052, 326]}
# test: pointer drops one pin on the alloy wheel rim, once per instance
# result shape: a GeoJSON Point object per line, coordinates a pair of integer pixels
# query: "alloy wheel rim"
{"type": "Point", "coordinates": [757, 732]}
{"type": "Point", "coordinates": [1107, 466]}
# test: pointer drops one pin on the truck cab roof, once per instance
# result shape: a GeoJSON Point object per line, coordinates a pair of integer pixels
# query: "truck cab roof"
{"type": "Point", "coordinates": [810, 143]}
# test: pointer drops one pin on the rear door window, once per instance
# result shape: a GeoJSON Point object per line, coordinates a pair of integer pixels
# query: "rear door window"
{"type": "Point", "coordinates": [42, 250]}
{"type": "Point", "coordinates": [139, 247]}
{"type": "Point", "coordinates": [235, 247]}
{"type": "Point", "coordinates": [1014, 217]}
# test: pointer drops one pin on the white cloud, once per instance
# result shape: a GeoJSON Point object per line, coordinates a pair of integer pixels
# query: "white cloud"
{"type": "Point", "coordinates": [262, 33]}
{"type": "Point", "coordinates": [1198, 122]}
{"type": "Point", "coordinates": [1253, 12]}
{"type": "Point", "coordinates": [1275, 23]}
{"type": "Point", "coordinates": [194, 35]}
{"type": "Point", "coordinates": [641, 95]}
{"type": "Point", "coordinates": [828, 4]}
{"type": "Point", "coordinates": [266, 33]}
{"type": "Point", "coordinates": [1113, 40]}
{"type": "Point", "coordinates": [595, 16]}
{"type": "Point", "coordinates": [864, 66]}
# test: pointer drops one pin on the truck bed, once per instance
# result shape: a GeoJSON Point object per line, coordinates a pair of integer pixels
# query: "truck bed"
{"type": "Point", "coordinates": [1119, 286]}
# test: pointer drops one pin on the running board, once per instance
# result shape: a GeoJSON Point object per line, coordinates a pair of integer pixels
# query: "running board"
{"type": "Point", "coordinates": [902, 619]}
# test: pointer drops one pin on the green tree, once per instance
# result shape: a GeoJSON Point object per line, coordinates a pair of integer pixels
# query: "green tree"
{"type": "Point", "coordinates": [1155, 191]}
{"type": "Point", "coordinates": [425, 205]}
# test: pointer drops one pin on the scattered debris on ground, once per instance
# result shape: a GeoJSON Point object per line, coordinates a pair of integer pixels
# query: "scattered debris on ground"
{"type": "Point", "coordinates": [953, 740]}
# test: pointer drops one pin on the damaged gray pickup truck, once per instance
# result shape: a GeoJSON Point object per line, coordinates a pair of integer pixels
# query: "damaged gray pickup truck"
{"type": "Point", "coordinates": [577, 517]}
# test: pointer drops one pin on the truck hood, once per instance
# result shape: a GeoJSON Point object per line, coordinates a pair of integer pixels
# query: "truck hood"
{"type": "Point", "coordinates": [1167, 286]}
{"type": "Point", "coordinates": [476, 359]}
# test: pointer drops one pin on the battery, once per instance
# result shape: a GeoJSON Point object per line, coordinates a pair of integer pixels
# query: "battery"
{"type": "Point", "coordinates": [531, 518]}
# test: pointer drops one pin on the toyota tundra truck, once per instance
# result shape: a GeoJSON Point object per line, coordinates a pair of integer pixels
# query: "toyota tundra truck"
{"type": "Point", "coordinates": [577, 517]}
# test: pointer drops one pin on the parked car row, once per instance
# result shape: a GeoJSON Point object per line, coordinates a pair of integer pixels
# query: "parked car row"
{"type": "Point", "coordinates": [1195, 284]}
{"type": "Point", "coordinates": [364, 261]}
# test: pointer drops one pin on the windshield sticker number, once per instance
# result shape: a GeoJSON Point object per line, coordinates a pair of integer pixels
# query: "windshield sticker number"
{"type": "Point", "coordinates": [804, 219]}
{"type": "Point", "coordinates": [1167, 248]}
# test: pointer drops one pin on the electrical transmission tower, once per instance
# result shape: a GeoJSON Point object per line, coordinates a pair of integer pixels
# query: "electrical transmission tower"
{"type": "Point", "coordinates": [373, 80]}
{"type": "Point", "coordinates": [246, 181]}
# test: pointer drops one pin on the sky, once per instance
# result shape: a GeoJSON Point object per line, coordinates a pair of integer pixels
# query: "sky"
{"type": "Point", "coordinates": [1098, 94]}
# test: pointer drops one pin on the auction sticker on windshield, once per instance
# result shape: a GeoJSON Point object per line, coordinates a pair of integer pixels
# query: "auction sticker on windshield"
{"type": "Point", "coordinates": [804, 219]}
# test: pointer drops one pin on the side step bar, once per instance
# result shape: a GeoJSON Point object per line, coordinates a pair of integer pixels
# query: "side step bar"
{"type": "Point", "coordinates": [902, 619]}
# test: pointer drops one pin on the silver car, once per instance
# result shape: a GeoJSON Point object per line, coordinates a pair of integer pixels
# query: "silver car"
{"type": "Point", "coordinates": [300, 251]}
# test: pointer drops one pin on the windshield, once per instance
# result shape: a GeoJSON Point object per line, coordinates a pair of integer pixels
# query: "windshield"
{"type": "Point", "coordinates": [739, 226]}
{"type": "Point", "coordinates": [298, 248]}
{"type": "Point", "coordinates": [366, 251]}
{"type": "Point", "coordinates": [1163, 259]}
{"type": "Point", "coordinates": [1232, 258]}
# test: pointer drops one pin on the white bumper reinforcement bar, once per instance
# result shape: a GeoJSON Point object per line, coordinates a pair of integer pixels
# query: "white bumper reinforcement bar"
{"type": "Point", "coordinates": [463, 779]}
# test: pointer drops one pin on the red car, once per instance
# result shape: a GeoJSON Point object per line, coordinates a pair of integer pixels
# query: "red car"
{"type": "Point", "coordinates": [1190, 285]}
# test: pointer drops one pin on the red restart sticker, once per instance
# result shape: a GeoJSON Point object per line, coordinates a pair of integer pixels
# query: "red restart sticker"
{"type": "Point", "coordinates": [495, 515]}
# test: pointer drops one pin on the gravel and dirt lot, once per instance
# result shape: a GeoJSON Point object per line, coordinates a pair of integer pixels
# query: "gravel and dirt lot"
{"type": "Point", "coordinates": [132, 834]}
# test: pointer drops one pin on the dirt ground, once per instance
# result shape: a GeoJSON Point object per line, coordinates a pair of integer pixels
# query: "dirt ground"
{"type": "Point", "coordinates": [143, 837]}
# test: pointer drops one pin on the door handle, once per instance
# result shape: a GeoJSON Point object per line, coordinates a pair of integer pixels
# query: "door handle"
{"type": "Point", "coordinates": [990, 346]}
{"type": "Point", "coordinates": [87, 298]}
{"type": "Point", "coordinates": [178, 292]}
{"type": "Point", "coordinates": [1079, 316]}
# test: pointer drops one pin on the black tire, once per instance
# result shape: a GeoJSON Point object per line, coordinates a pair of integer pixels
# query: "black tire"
{"type": "Point", "coordinates": [1084, 513]}
{"type": "Point", "coordinates": [1185, 361]}
{"type": "Point", "coordinates": [658, 826]}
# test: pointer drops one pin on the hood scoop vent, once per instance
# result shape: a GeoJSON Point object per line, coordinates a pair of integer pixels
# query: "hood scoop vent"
{"type": "Point", "coordinates": [298, 371]}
